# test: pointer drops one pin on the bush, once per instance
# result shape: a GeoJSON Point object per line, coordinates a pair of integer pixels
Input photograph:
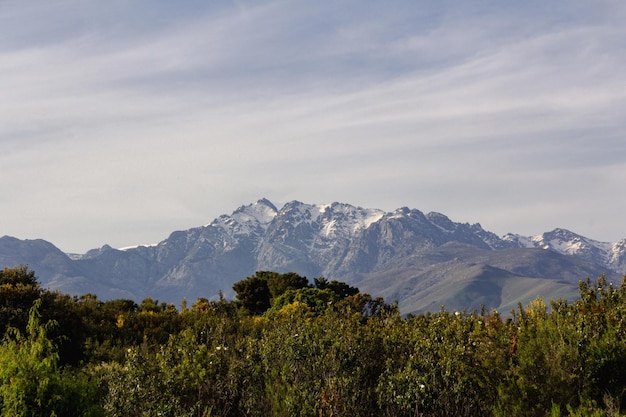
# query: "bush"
{"type": "Point", "coordinates": [31, 383]}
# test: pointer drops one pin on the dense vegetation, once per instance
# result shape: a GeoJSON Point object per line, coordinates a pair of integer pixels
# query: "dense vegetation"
{"type": "Point", "coordinates": [288, 348]}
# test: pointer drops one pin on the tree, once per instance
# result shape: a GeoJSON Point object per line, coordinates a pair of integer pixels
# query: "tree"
{"type": "Point", "coordinates": [342, 289]}
{"type": "Point", "coordinates": [31, 381]}
{"type": "Point", "coordinates": [18, 275]}
{"type": "Point", "coordinates": [279, 283]}
{"type": "Point", "coordinates": [253, 294]}
{"type": "Point", "coordinates": [316, 300]}
{"type": "Point", "coordinates": [18, 291]}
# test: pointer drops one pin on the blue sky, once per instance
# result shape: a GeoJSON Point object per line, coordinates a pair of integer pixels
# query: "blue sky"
{"type": "Point", "coordinates": [122, 121]}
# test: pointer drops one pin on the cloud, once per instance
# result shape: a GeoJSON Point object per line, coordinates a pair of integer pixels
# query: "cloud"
{"type": "Point", "coordinates": [135, 119]}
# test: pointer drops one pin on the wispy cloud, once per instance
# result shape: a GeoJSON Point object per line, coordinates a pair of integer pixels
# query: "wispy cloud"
{"type": "Point", "coordinates": [138, 118]}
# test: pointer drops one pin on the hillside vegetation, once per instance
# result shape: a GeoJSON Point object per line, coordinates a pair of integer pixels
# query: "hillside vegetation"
{"type": "Point", "coordinates": [286, 347]}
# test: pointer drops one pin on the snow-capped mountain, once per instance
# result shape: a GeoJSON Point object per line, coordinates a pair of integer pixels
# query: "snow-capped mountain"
{"type": "Point", "coordinates": [247, 221]}
{"type": "Point", "coordinates": [422, 260]}
{"type": "Point", "coordinates": [610, 255]}
{"type": "Point", "coordinates": [313, 238]}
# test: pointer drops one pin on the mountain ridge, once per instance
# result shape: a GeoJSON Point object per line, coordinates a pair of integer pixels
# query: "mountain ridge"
{"type": "Point", "coordinates": [393, 254]}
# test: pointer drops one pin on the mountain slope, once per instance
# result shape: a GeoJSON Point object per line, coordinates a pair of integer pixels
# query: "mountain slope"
{"type": "Point", "coordinates": [422, 260]}
{"type": "Point", "coordinates": [462, 276]}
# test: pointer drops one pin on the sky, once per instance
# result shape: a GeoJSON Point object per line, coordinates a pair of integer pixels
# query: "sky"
{"type": "Point", "coordinates": [123, 121]}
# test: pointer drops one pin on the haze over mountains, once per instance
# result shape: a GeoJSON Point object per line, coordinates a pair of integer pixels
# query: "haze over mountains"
{"type": "Point", "coordinates": [421, 260]}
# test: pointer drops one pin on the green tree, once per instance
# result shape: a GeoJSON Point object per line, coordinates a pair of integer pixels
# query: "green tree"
{"type": "Point", "coordinates": [19, 275]}
{"type": "Point", "coordinates": [31, 381]}
{"type": "Point", "coordinates": [18, 291]}
{"type": "Point", "coordinates": [279, 283]}
{"type": "Point", "coordinates": [253, 293]}
{"type": "Point", "coordinates": [342, 289]}
{"type": "Point", "coordinates": [316, 300]}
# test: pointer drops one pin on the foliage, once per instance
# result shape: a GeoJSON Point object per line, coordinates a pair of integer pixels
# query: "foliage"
{"type": "Point", "coordinates": [18, 291]}
{"type": "Point", "coordinates": [253, 294]}
{"type": "Point", "coordinates": [342, 289]}
{"type": "Point", "coordinates": [279, 283]}
{"type": "Point", "coordinates": [286, 348]}
{"type": "Point", "coordinates": [257, 293]}
{"type": "Point", "coordinates": [31, 382]}
{"type": "Point", "coordinates": [316, 301]}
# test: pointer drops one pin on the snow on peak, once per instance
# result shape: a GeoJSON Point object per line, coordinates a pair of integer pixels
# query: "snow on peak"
{"type": "Point", "coordinates": [334, 219]}
{"type": "Point", "coordinates": [301, 212]}
{"type": "Point", "coordinates": [566, 242]}
{"type": "Point", "coordinates": [146, 245]}
{"type": "Point", "coordinates": [262, 212]}
{"type": "Point", "coordinates": [339, 218]}
{"type": "Point", "coordinates": [569, 243]}
{"type": "Point", "coordinates": [441, 221]}
{"type": "Point", "coordinates": [617, 254]}
{"type": "Point", "coordinates": [522, 241]}
{"type": "Point", "coordinates": [246, 219]}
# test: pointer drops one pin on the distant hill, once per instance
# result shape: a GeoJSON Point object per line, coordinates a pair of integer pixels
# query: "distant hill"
{"type": "Point", "coordinates": [421, 260]}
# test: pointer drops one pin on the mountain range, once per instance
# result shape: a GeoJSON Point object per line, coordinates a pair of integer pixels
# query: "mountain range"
{"type": "Point", "coordinates": [422, 261]}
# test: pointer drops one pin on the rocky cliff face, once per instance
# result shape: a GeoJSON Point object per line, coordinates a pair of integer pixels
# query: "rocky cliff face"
{"type": "Point", "coordinates": [399, 254]}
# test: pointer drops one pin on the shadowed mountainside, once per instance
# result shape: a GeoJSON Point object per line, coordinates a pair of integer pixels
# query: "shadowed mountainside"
{"type": "Point", "coordinates": [421, 260]}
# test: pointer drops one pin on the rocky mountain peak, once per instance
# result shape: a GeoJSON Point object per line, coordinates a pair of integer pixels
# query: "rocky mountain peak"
{"type": "Point", "coordinates": [441, 220]}
{"type": "Point", "coordinates": [248, 219]}
{"type": "Point", "coordinates": [566, 242]}
{"type": "Point", "coordinates": [262, 212]}
{"type": "Point", "coordinates": [338, 241]}
{"type": "Point", "coordinates": [97, 252]}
